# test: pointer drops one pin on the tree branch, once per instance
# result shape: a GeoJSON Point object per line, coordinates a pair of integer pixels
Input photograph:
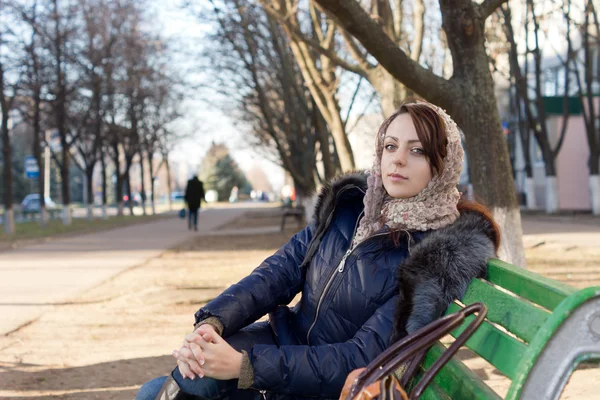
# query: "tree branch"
{"type": "Point", "coordinates": [352, 17]}
{"type": "Point", "coordinates": [489, 6]}
{"type": "Point", "coordinates": [299, 35]}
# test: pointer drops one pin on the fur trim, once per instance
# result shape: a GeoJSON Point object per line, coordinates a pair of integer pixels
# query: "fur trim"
{"type": "Point", "coordinates": [439, 270]}
{"type": "Point", "coordinates": [331, 190]}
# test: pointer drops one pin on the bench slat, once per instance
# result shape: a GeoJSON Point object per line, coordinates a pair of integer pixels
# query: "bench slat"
{"type": "Point", "coordinates": [529, 285]}
{"type": "Point", "coordinates": [499, 349]}
{"type": "Point", "coordinates": [514, 314]}
{"type": "Point", "coordinates": [455, 380]}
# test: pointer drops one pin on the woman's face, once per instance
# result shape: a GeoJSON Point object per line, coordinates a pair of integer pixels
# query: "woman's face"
{"type": "Point", "coordinates": [405, 169]}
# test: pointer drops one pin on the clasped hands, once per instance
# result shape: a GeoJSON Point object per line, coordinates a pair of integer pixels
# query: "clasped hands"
{"type": "Point", "coordinates": [205, 353]}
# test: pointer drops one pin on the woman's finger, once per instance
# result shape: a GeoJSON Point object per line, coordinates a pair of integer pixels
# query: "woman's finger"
{"type": "Point", "coordinates": [187, 356]}
{"type": "Point", "coordinates": [184, 369]}
{"type": "Point", "coordinates": [198, 353]}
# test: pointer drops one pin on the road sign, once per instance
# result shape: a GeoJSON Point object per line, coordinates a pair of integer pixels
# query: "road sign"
{"type": "Point", "coordinates": [31, 168]}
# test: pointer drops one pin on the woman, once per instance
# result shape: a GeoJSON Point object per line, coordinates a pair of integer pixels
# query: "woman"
{"type": "Point", "coordinates": [393, 245]}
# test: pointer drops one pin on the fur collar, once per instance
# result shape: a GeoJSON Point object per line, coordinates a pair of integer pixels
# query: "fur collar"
{"type": "Point", "coordinates": [351, 186]}
{"type": "Point", "coordinates": [440, 269]}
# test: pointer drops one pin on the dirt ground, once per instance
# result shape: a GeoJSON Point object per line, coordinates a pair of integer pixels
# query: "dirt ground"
{"type": "Point", "coordinates": [107, 342]}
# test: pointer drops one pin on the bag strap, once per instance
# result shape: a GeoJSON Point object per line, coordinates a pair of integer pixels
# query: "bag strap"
{"type": "Point", "coordinates": [481, 311]}
{"type": "Point", "coordinates": [417, 344]}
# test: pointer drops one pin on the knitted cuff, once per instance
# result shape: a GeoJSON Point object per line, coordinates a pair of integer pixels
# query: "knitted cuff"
{"type": "Point", "coordinates": [246, 372]}
{"type": "Point", "coordinates": [214, 321]}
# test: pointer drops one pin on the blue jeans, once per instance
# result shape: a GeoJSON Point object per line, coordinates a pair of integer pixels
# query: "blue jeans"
{"type": "Point", "coordinates": [208, 388]}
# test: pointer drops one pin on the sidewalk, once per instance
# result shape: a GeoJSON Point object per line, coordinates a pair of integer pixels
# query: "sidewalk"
{"type": "Point", "coordinates": [38, 277]}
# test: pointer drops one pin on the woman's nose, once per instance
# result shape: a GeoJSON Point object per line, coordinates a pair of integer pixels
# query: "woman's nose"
{"type": "Point", "coordinates": [400, 157]}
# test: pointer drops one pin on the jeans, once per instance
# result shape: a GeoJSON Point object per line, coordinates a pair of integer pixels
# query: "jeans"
{"type": "Point", "coordinates": [209, 388]}
{"type": "Point", "coordinates": [193, 217]}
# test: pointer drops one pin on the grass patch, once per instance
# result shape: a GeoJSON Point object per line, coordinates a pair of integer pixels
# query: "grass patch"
{"type": "Point", "coordinates": [32, 229]}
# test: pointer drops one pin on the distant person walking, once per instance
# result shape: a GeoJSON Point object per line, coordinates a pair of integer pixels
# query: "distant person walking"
{"type": "Point", "coordinates": [194, 194]}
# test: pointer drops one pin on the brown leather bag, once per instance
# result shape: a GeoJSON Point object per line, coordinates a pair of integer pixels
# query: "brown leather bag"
{"type": "Point", "coordinates": [378, 381]}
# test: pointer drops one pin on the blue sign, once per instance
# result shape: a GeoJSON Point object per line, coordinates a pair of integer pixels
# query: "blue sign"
{"type": "Point", "coordinates": [32, 170]}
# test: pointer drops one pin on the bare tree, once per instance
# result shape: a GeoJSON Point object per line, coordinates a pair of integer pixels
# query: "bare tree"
{"type": "Point", "coordinates": [534, 109]}
{"type": "Point", "coordinates": [395, 23]}
{"type": "Point", "coordinates": [6, 104]}
{"type": "Point", "coordinates": [274, 103]}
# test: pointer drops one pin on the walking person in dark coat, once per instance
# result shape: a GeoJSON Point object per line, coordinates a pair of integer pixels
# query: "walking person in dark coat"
{"type": "Point", "coordinates": [385, 255]}
{"type": "Point", "coordinates": [194, 194]}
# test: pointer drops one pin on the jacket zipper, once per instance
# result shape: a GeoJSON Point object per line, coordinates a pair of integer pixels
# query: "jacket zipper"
{"type": "Point", "coordinates": [340, 269]}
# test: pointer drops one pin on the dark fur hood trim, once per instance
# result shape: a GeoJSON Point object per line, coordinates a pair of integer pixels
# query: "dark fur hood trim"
{"type": "Point", "coordinates": [331, 191]}
{"type": "Point", "coordinates": [439, 270]}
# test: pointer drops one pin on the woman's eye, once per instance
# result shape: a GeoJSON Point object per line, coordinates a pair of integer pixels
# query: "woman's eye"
{"type": "Point", "coordinates": [418, 150]}
{"type": "Point", "coordinates": [390, 147]}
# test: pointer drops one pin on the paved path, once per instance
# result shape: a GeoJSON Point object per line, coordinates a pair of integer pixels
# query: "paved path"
{"type": "Point", "coordinates": [37, 277]}
{"type": "Point", "coordinates": [580, 231]}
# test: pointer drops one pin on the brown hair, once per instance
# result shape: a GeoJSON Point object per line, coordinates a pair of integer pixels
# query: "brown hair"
{"type": "Point", "coordinates": [430, 128]}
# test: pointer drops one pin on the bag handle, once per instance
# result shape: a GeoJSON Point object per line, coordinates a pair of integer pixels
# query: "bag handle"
{"type": "Point", "coordinates": [417, 344]}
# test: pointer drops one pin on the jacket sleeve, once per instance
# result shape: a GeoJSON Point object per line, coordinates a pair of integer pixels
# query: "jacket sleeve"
{"type": "Point", "coordinates": [274, 282]}
{"type": "Point", "coordinates": [321, 370]}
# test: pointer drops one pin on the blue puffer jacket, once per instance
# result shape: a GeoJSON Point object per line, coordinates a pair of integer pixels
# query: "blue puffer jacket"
{"type": "Point", "coordinates": [344, 318]}
{"type": "Point", "coordinates": [352, 302]}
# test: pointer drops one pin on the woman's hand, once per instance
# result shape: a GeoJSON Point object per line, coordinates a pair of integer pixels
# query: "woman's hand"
{"type": "Point", "coordinates": [218, 359]}
{"type": "Point", "coordinates": [190, 358]}
{"type": "Point", "coordinates": [187, 361]}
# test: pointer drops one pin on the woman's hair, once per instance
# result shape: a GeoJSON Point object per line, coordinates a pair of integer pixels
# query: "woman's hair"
{"type": "Point", "coordinates": [465, 206]}
{"type": "Point", "coordinates": [430, 128]}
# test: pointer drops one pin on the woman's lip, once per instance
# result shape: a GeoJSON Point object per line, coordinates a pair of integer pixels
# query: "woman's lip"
{"type": "Point", "coordinates": [397, 177]}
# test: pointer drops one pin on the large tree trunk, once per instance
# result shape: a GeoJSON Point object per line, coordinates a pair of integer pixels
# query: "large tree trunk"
{"type": "Point", "coordinates": [9, 220]}
{"type": "Point", "coordinates": [104, 189]}
{"type": "Point", "coordinates": [119, 179]}
{"type": "Point", "coordinates": [152, 183]}
{"type": "Point", "coordinates": [89, 187]}
{"type": "Point", "coordinates": [476, 112]}
{"type": "Point", "coordinates": [169, 187]}
{"type": "Point", "coordinates": [143, 194]}
{"type": "Point", "coordinates": [37, 153]}
{"type": "Point", "coordinates": [127, 179]}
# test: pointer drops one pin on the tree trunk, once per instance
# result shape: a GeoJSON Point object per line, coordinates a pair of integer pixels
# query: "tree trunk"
{"type": "Point", "coordinates": [9, 220]}
{"type": "Point", "coordinates": [166, 159]}
{"type": "Point", "coordinates": [89, 187]}
{"type": "Point", "coordinates": [119, 179]}
{"type": "Point", "coordinates": [595, 194]}
{"type": "Point", "coordinates": [104, 189]}
{"type": "Point", "coordinates": [143, 194]}
{"type": "Point", "coordinates": [37, 153]}
{"type": "Point", "coordinates": [476, 112]}
{"type": "Point", "coordinates": [323, 137]}
{"type": "Point", "coordinates": [127, 178]}
{"type": "Point", "coordinates": [152, 183]}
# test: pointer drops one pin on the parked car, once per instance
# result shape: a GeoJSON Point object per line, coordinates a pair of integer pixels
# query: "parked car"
{"type": "Point", "coordinates": [31, 203]}
{"type": "Point", "coordinates": [177, 196]}
{"type": "Point", "coordinates": [137, 199]}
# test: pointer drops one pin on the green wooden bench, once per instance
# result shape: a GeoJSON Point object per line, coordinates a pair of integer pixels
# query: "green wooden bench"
{"type": "Point", "coordinates": [536, 332]}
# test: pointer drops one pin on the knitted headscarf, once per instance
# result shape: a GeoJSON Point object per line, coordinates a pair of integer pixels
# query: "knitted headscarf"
{"type": "Point", "coordinates": [432, 208]}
